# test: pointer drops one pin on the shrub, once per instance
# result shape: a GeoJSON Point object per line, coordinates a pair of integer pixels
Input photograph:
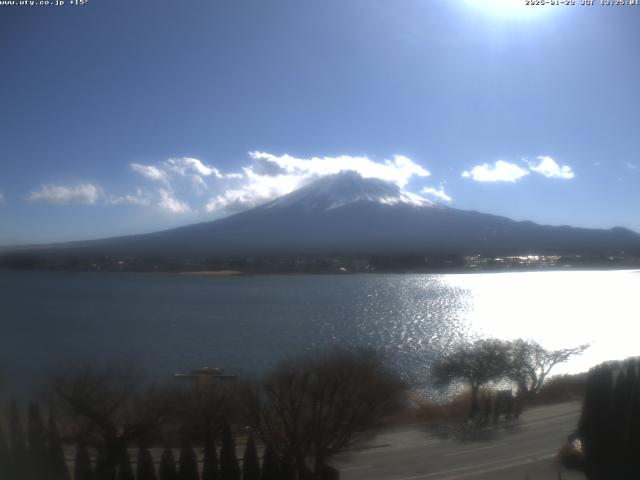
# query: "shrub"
{"type": "Point", "coordinates": [562, 388]}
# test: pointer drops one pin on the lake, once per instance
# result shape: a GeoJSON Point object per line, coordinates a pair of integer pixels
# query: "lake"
{"type": "Point", "coordinates": [168, 323]}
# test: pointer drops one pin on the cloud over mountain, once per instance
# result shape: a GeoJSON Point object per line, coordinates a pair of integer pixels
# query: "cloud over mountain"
{"type": "Point", "coordinates": [265, 177]}
{"type": "Point", "coordinates": [438, 193]}
{"type": "Point", "coordinates": [399, 169]}
{"type": "Point", "coordinates": [348, 214]}
{"type": "Point", "coordinates": [270, 176]}
{"type": "Point", "coordinates": [181, 185]}
{"type": "Point", "coordinates": [169, 202]}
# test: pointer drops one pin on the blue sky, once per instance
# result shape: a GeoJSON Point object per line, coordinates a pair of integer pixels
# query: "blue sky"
{"type": "Point", "coordinates": [121, 117]}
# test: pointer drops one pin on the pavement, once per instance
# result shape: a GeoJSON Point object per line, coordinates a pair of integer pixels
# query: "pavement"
{"type": "Point", "coordinates": [517, 450]}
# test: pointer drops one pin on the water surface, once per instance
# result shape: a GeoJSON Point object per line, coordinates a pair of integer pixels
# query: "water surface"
{"type": "Point", "coordinates": [168, 323]}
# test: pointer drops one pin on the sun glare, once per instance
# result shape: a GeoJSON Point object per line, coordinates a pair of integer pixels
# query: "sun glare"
{"type": "Point", "coordinates": [508, 9]}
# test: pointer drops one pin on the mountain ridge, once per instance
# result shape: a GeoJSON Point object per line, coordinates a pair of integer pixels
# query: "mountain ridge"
{"type": "Point", "coordinates": [348, 214]}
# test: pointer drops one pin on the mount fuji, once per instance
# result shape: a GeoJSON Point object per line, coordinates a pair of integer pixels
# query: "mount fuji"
{"type": "Point", "coordinates": [348, 214]}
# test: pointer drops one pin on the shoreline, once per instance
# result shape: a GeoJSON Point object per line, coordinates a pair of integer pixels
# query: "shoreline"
{"type": "Point", "coordinates": [240, 273]}
{"type": "Point", "coordinates": [211, 273]}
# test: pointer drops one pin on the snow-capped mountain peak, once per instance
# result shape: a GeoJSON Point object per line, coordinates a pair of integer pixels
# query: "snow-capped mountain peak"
{"type": "Point", "coordinates": [348, 214]}
{"type": "Point", "coordinates": [346, 187]}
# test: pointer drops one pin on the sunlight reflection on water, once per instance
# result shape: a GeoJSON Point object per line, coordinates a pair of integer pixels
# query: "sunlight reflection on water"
{"type": "Point", "coordinates": [247, 324]}
{"type": "Point", "coordinates": [558, 309]}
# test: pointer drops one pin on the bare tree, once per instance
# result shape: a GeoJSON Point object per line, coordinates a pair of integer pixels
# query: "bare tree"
{"type": "Point", "coordinates": [203, 413]}
{"type": "Point", "coordinates": [529, 364]}
{"type": "Point", "coordinates": [312, 407]}
{"type": "Point", "coordinates": [475, 364]}
{"type": "Point", "coordinates": [110, 407]}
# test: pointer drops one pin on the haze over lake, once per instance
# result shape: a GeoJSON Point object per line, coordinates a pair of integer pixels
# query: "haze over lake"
{"type": "Point", "coordinates": [168, 323]}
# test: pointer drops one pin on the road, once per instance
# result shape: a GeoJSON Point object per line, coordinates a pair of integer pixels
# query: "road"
{"type": "Point", "coordinates": [524, 450]}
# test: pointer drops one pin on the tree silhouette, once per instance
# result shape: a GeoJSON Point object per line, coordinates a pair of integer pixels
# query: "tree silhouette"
{"type": "Point", "coordinates": [37, 443]}
{"type": "Point", "coordinates": [529, 364]}
{"type": "Point", "coordinates": [609, 425]}
{"type": "Point", "coordinates": [633, 443]}
{"type": "Point", "coordinates": [474, 364]}
{"type": "Point", "coordinates": [313, 406]}
{"type": "Point", "coordinates": [188, 462]}
{"type": "Point", "coordinates": [113, 404]}
{"type": "Point", "coordinates": [210, 460]}
{"type": "Point", "coordinates": [168, 469]}
{"type": "Point", "coordinates": [19, 458]}
{"type": "Point", "coordinates": [250, 462]}
{"type": "Point", "coordinates": [102, 470]}
{"type": "Point", "coordinates": [145, 469]}
{"type": "Point", "coordinates": [4, 456]}
{"type": "Point", "coordinates": [270, 464]}
{"type": "Point", "coordinates": [125, 472]}
{"type": "Point", "coordinates": [57, 465]}
{"type": "Point", "coordinates": [287, 470]}
{"type": "Point", "coordinates": [82, 468]}
{"type": "Point", "coordinates": [229, 468]}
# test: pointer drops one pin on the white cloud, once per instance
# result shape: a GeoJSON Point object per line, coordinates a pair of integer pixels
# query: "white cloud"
{"type": "Point", "coordinates": [170, 203]}
{"type": "Point", "coordinates": [86, 193]}
{"type": "Point", "coordinates": [182, 174]}
{"type": "Point", "coordinates": [271, 176]}
{"type": "Point", "coordinates": [632, 166]}
{"type": "Point", "coordinates": [163, 197]}
{"type": "Point", "coordinates": [266, 177]}
{"type": "Point", "coordinates": [151, 172]}
{"type": "Point", "coordinates": [186, 165]}
{"type": "Point", "coordinates": [180, 167]}
{"type": "Point", "coordinates": [438, 193]}
{"type": "Point", "coordinates": [178, 176]}
{"type": "Point", "coordinates": [501, 171]}
{"type": "Point", "coordinates": [140, 197]}
{"type": "Point", "coordinates": [254, 189]}
{"type": "Point", "coordinates": [398, 170]}
{"type": "Point", "coordinates": [232, 201]}
{"type": "Point", "coordinates": [548, 167]}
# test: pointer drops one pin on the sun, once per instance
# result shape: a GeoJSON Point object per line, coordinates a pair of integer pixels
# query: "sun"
{"type": "Point", "coordinates": [520, 9]}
